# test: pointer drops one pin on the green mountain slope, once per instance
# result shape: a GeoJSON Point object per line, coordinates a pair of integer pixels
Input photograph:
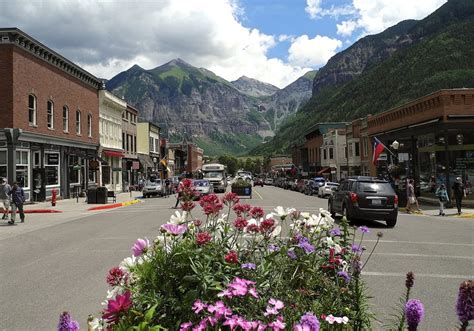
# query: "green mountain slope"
{"type": "Point", "coordinates": [443, 57]}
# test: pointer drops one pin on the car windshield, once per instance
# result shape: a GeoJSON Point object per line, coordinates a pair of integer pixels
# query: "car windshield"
{"type": "Point", "coordinates": [154, 182]}
{"type": "Point", "coordinates": [201, 183]}
{"type": "Point", "coordinates": [374, 187]}
{"type": "Point", "coordinates": [213, 174]}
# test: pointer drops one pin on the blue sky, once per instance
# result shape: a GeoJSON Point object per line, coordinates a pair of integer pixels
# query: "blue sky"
{"type": "Point", "coordinates": [275, 41]}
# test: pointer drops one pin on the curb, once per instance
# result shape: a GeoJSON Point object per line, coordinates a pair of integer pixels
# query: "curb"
{"type": "Point", "coordinates": [115, 205]}
{"type": "Point", "coordinates": [37, 211]}
{"type": "Point", "coordinates": [465, 216]}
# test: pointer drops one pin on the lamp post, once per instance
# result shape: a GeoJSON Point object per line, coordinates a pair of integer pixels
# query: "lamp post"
{"type": "Point", "coordinates": [155, 161]}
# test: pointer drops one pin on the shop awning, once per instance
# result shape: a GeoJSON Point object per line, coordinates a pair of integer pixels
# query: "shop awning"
{"type": "Point", "coordinates": [324, 171]}
{"type": "Point", "coordinates": [112, 153]}
{"type": "Point", "coordinates": [145, 160]}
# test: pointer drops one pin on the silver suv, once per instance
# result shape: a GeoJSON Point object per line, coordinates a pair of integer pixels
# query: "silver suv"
{"type": "Point", "coordinates": [153, 187]}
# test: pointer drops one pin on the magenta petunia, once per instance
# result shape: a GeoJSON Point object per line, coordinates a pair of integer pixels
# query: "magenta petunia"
{"type": "Point", "coordinates": [173, 229]}
{"type": "Point", "coordinates": [117, 306]}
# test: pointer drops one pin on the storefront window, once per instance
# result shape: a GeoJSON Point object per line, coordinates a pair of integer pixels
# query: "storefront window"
{"type": "Point", "coordinates": [74, 172]}
{"type": "Point", "coordinates": [22, 168]}
{"type": "Point", "coordinates": [3, 164]}
{"type": "Point", "coordinates": [51, 166]}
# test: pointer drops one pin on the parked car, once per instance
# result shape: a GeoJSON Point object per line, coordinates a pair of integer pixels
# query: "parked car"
{"type": "Point", "coordinates": [258, 182]}
{"type": "Point", "coordinates": [286, 183]}
{"type": "Point", "coordinates": [311, 187]}
{"type": "Point", "coordinates": [327, 189]}
{"type": "Point", "coordinates": [268, 181]}
{"type": "Point", "coordinates": [300, 185]}
{"type": "Point", "coordinates": [319, 181]}
{"type": "Point", "coordinates": [365, 198]}
{"type": "Point", "coordinates": [293, 184]}
{"type": "Point", "coordinates": [153, 187]}
{"type": "Point", "coordinates": [202, 187]}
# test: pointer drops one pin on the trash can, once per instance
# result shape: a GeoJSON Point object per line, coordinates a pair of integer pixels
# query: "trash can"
{"type": "Point", "coordinates": [92, 195]}
{"type": "Point", "coordinates": [102, 194]}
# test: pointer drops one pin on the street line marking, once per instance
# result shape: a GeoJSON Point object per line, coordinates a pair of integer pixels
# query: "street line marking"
{"type": "Point", "coordinates": [396, 274]}
{"type": "Point", "coordinates": [426, 255]}
{"type": "Point", "coordinates": [258, 195]}
{"type": "Point", "coordinates": [418, 243]}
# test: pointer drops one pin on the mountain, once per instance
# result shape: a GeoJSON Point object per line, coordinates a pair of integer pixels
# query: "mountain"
{"type": "Point", "coordinates": [287, 101]}
{"type": "Point", "coordinates": [254, 87]}
{"type": "Point", "coordinates": [407, 61]}
{"type": "Point", "coordinates": [195, 104]}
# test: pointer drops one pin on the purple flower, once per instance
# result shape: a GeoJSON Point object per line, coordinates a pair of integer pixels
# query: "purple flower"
{"type": "Point", "coordinates": [173, 229]}
{"type": "Point", "coordinates": [335, 232]}
{"type": "Point", "coordinates": [465, 304]}
{"type": "Point", "coordinates": [308, 248]}
{"type": "Point", "coordinates": [273, 248]}
{"type": "Point", "coordinates": [249, 266]}
{"type": "Point", "coordinates": [185, 326]}
{"type": "Point", "coordinates": [414, 312]}
{"type": "Point", "coordinates": [292, 255]}
{"type": "Point", "coordinates": [364, 229]}
{"type": "Point", "coordinates": [344, 275]}
{"type": "Point", "coordinates": [140, 246]}
{"type": "Point", "coordinates": [66, 323]}
{"type": "Point", "coordinates": [308, 322]}
{"type": "Point", "coordinates": [356, 248]}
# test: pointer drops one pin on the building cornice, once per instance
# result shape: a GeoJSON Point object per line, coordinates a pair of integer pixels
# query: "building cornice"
{"type": "Point", "coordinates": [15, 36]}
{"type": "Point", "coordinates": [45, 139]}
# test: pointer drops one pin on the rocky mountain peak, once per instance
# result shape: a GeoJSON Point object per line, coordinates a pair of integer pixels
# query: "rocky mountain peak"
{"type": "Point", "coordinates": [254, 87]}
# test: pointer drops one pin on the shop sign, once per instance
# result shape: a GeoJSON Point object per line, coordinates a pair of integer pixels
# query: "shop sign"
{"type": "Point", "coordinates": [135, 165]}
{"type": "Point", "coordinates": [402, 157]}
{"type": "Point", "coordinates": [464, 163]}
{"type": "Point", "coordinates": [382, 157]}
{"type": "Point", "coordinates": [53, 159]}
{"type": "Point", "coordinates": [116, 169]}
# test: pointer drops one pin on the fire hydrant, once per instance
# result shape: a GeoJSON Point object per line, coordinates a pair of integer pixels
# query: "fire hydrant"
{"type": "Point", "coordinates": [54, 195]}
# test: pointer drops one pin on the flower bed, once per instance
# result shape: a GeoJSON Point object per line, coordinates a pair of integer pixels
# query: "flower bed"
{"type": "Point", "coordinates": [237, 271]}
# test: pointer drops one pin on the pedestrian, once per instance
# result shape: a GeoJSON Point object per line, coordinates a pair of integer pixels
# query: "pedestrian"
{"type": "Point", "coordinates": [459, 192]}
{"type": "Point", "coordinates": [167, 186]}
{"type": "Point", "coordinates": [18, 198]}
{"type": "Point", "coordinates": [178, 194]}
{"type": "Point", "coordinates": [4, 197]}
{"type": "Point", "coordinates": [443, 197]}
{"type": "Point", "coordinates": [411, 198]}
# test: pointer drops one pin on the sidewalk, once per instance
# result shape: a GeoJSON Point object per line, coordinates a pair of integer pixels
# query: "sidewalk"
{"type": "Point", "coordinates": [74, 205]}
{"type": "Point", "coordinates": [429, 210]}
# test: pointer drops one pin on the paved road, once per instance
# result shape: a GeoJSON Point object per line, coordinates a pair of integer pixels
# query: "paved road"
{"type": "Point", "coordinates": [59, 262]}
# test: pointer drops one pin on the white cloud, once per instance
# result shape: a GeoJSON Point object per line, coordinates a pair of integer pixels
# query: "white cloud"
{"type": "Point", "coordinates": [374, 16]}
{"type": "Point", "coordinates": [107, 37]}
{"type": "Point", "coordinates": [312, 52]}
{"type": "Point", "coordinates": [313, 8]}
{"type": "Point", "coordinates": [346, 28]}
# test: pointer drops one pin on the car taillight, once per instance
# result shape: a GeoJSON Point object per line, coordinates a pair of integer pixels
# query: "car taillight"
{"type": "Point", "coordinates": [354, 197]}
{"type": "Point", "coordinates": [395, 200]}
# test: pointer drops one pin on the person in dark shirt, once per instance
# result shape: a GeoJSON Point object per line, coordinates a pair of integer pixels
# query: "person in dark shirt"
{"type": "Point", "coordinates": [459, 192]}
{"type": "Point", "coordinates": [18, 198]}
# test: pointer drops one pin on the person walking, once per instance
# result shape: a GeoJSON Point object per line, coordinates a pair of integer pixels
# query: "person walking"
{"type": "Point", "coordinates": [443, 197]}
{"type": "Point", "coordinates": [179, 194]}
{"type": "Point", "coordinates": [459, 192]}
{"type": "Point", "coordinates": [18, 198]}
{"type": "Point", "coordinates": [4, 197]}
{"type": "Point", "coordinates": [411, 198]}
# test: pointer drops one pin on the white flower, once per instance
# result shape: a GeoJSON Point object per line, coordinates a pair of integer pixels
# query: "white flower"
{"type": "Point", "coordinates": [345, 319]}
{"type": "Point", "coordinates": [95, 325]}
{"type": "Point", "coordinates": [337, 248]}
{"type": "Point", "coordinates": [329, 241]}
{"type": "Point", "coordinates": [305, 215]}
{"type": "Point", "coordinates": [178, 218]}
{"type": "Point", "coordinates": [276, 231]}
{"type": "Point", "coordinates": [127, 263]}
{"type": "Point", "coordinates": [280, 211]}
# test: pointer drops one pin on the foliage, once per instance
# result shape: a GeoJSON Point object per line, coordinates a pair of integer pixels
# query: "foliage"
{"type": "Point", "coordinates": [240, 182]}
{"type": "Point", "coordinates": [240, 269]}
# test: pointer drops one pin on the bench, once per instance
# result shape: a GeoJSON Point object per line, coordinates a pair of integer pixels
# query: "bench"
{"type": "Point", "coordinates": [111, 195]}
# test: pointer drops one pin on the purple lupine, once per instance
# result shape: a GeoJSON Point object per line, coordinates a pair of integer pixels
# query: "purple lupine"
{"type": "Point", "coordinates": [66, 323]}
{"type": "Point", "coordinates": [344, 275]}
{"type": "Point", "coordinates": [465, 303]}
{"type": "Point", "coordinates": [309, 321]}
{"type": "Point", "coordinates": [273, 248]}
{"type": "Point", "coordinates": [335, 232]}
{"type": "Point", "coordinates": [306, 246]}
{"type": "Point", "coordinates": [414, 313]}
{"type": "Point", "coordinates": [292, 255]}
{"type": "Point", "coordinates": [356, 248]}
{"type": "Point", "coordinates": [249, 266]}
{"type": "Point", "coordinates": [364, 229]}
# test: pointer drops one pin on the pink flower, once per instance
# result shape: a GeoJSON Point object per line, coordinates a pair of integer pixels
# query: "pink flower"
{"type": "Point", "coordinates": [240, 223]}
{"type": "Point", "coordinates": [240, 209]}
{"type": "Point", "coordinates": [188, 205]}
{"type": "Point", "coordinates": [256, 212]}
{"type": "Point", "coordinates": [231, 322]}
{"type": "Point", "coordinates": [116, 276]}
{"type": "Point", "coordinates": [211, 204]}
{"type": "Point", "coordinates": [230, 199]}
{"type": "Point", "coordinates": [173, 229]}
{"type": "Point", "coordinates": [140, 247]}
{"type": "Point", "coordinates": [198, 306]}
{"type": "Point", "coordinates": [219, 310]}
{"type": "Point", "coordinates": [117, 306]}
{"type": "Point", "coordinates": [231, 257]}
{"type": "Point", "coordinates": [278, 324]}
{"type": "Point", "coordinates": [185, 326]}
{"type": "Point", "coordinates": [273, 307]}
{"type": "Point", "coordinates": [203, 238]}
{"type": "Point", "coordinates": [253, 292]}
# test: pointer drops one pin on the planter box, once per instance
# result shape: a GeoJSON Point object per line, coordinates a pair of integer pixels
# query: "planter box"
{"type": "Point", "coordinates": [242, 191]}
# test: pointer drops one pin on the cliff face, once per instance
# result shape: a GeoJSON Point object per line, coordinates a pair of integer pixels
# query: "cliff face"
{"type": "Point", "coordinates": [254, 87]}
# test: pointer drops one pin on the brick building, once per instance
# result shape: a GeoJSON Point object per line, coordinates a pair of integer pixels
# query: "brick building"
{"type": "Point", "coordinates": [187, 158]}
{"type": "Point", "coordinates": [49, 112]}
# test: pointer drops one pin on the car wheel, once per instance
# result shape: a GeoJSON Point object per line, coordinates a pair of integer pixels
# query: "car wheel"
{"type": "Point", "coordinates": [345, 213]}
{"type": "Point", "coordinates": [391, 223]}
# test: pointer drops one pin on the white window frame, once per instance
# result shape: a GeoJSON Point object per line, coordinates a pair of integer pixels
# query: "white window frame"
{"type": "Point", "coordinates": [28, 166]}
{"type": "Point", "coordinates": [50, 114]}
{"type": "Point", "coordinates": [65, 119]}
{"type": "Point", "coordinates": [89, 125]}
{"type": "Point", "coordinates": [78, 122]}
{"type": "Point", "coordinates": [58, 166]}
{"type": "Point", "coordinates": [34, 110]}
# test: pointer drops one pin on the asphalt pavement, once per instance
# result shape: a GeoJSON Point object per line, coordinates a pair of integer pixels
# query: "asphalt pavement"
{"type": "Point", "coordinates": [58, 262]}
